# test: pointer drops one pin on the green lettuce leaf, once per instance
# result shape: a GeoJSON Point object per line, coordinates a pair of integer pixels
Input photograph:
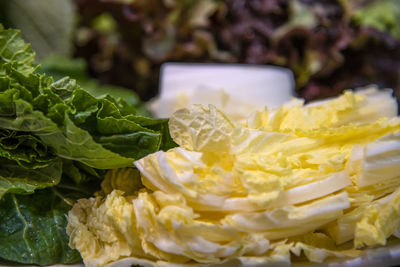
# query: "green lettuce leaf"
{"type": "Point", "coordinates": [58, 67]}
{"type": "Point", "coordinates": [32, 227]}
{"type": "Point", "coordinates": [26, 149]}
{"type": "Point", "coordinates": [75, 124]}
{"type": "Point", "coordinates": [80, 173]}
{"type": "Point", "coordinates": [56, 140]}
{"type": "Point", "coordinates": [14, 49]}
{"type": "Point", "coordinates": [19, 180]}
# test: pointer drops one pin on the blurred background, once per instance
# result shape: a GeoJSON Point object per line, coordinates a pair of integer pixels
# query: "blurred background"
{"type": "Point", "coordinates": [329, 45]}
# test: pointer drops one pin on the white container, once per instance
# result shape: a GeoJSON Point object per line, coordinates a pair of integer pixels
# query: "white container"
{"type": "Point", "coordinates": [237, 89]}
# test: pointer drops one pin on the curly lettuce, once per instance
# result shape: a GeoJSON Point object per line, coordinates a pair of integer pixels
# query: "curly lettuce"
{"type": "Point", "coordinates": [56, 140]}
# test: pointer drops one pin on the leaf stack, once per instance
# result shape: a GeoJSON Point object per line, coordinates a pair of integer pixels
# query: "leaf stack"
{"type": "Point", "coordinates": [56, 140]}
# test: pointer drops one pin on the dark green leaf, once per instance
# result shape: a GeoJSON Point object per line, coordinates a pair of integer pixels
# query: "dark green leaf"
{"type": "Point", "coordinates": [80, 173]}
{"type": "Point", "coordinates": [32, 227]}
{"type": "Point", "coordinates": [24, 148]}
{"type": "Point", "coordinates": [20, 180]}
{"type": "Point", "coordinates": [54, 138]}
{"type": "Point", "coordinates": [138, 144]}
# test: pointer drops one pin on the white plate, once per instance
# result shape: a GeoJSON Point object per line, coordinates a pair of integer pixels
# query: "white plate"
{"type": "Point", "coordinates": [388, 255]}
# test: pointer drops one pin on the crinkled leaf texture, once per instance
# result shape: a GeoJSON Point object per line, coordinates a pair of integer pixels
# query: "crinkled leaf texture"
{"type": "Point", "coordinates": [60, 66]}
{"type": "Point", "coordinates": [78, 126]}
{"type": "Point", "coordinates": [27, 150]}
{"type": "Point", "coordinates": [287, 184]}
{"type": "Point", "coordinates": [55, 139]}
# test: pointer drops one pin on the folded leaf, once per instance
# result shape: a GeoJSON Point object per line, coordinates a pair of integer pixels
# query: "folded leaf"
{"type": "Point", "coordinates": [24, 148]}
{"type": "Point", "coordinates": [19, 180]}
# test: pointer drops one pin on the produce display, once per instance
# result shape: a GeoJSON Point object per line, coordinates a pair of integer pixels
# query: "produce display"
{"type": "Point", "coordinates": [56, 141]}
{"type": "Point", "coordinates": [89, 176]}
{"type": "Point", "coordinates": [296, 183]}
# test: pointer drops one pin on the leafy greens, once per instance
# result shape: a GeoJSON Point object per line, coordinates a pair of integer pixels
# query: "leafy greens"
{"type": "Point", "coordinates": [56, 140]}
{"type": "Point", "coordinates": [60, 66]}
{"type": "Point", "coordinates": [32, 228]}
